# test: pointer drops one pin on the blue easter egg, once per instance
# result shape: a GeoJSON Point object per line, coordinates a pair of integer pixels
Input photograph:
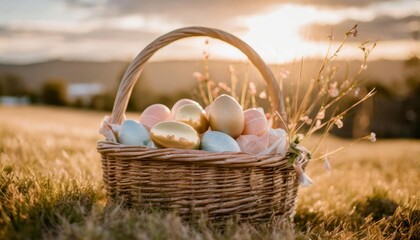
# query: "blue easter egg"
{"type": "Point", "coordinates": [215, 141]}
{"type": "Point", "coordinates": [133, 133]}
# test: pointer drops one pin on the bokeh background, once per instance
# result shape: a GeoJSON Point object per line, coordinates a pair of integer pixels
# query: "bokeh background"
{"type": "Point", "coordinates": [73, 52]}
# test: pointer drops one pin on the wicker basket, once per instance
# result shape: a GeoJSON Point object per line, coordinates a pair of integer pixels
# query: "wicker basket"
{"type": "Point", "coordinates": [190, 182]}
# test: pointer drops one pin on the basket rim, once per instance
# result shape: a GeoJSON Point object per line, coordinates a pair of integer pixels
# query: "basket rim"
{"type": "Point", "coordinates": [194, 157]}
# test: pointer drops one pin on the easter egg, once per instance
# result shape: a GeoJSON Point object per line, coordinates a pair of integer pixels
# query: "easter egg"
{"type": "Point", "coordinates": [252, 143]}
{"type": "Point", "coordinates": [255, 123]}
{"type": "Point", "coordinates": [173, 134]}
{"type": "Point", "coordinates": [207, 110]}
{"type": "Point", "coordinates": [193, 115]}
{"type": "Point", "coordinates": [133, 133]}
{"type": "Point", "coordinates": [154, 114]}
{"type": "Point", "coordinates": [214, 141]}
{"type": "Point", "coordinates": [181, 103]}
{"type": "Point", "coordinates": [226, 115]}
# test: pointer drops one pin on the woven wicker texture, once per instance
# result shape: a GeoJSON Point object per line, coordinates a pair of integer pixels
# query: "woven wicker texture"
{"type": "Point", "coordinates": [220, 185]}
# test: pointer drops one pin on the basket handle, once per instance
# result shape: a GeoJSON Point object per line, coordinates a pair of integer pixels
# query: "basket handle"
{"type": "Point", "coordinates": [136, 66]}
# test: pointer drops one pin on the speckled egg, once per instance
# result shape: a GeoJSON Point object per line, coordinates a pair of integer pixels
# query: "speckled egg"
{"type": "Point", "coordinates": [214, 141]}
{"type": "Point", "coordinates": [226, 115]}
{"type": "Point", "coordinates": [173, 134]}
{"type": "Point", "coordinates": [133, 133]}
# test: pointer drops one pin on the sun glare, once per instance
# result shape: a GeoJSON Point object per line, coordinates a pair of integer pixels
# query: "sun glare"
{"type": "Point", "coordinates": [276, 34]}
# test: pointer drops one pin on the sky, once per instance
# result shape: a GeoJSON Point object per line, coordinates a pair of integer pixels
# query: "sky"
{"type": "Point", "coordinates": [279, 30]}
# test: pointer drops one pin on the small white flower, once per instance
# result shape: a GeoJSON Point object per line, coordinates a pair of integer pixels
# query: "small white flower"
{"type": "Point", "coordinates": [353, 32]}
{"type": "Point", "coordinates": [198, 76]}
{"type": "Point", "coordinates": [300, 137]}
{"type": "Point", "coordinates": [333, 91]}
{"type": "Point", "coordinates": [306, 119]}
{"type": "Point", "coordinates": [321, 114]}
{"type": "Point", "coordinates": [318, 124]}
{"type": "Point", "coordinates": [339, 123]}
{"type": "Point", "coordinates": [263, 95]}
{"type": "Point", "coordinates": [252, 88]}
{"type": "Point", "coordinates": [372, 137]}
{"type": "Point", "coordinates": [356, 92]}
{"type": "Point", "coordinates": [345, 84]}
{"type": "Point", "coordinates": [363, 66]}
{"type": "Point", "coordinates": [215, 91]}
{"type": "Point", "coordinates": [224, 86]}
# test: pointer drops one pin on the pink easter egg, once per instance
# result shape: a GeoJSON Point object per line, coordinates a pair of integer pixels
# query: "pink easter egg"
{"type": "Point", "coordinates": [181, 103]}
{"type": "Point", "coordinates": [252, 143]}
{"type": "Point", "coordinates": [255, 122]}
{"type": "Point", "coordinates": [207, 110]}
{"type": "Point", "coordinates": [154, 114]}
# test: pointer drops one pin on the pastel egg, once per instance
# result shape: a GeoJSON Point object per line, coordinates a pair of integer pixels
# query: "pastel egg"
{"type": "Point", "coordinates": [255, 123]}
{"type": "Point", "coordinates": [226, 115]}
{"type": "Point", "coordinates": [133, 133]}
{"type": "Point", "coordinates": [173, 134]}
{"type": "Point", "coordinates": [193, 115]}
{"type": "Point", "coordinates": [154, 114]}
{"type": "Point", "coordinates": [252, 143]}
{"type": "Point", "coordinates": [207, 110]}
{"type": "Point", "coordinates": [181, 103]}
{"type": "Point", "coordinates": [214, 141]}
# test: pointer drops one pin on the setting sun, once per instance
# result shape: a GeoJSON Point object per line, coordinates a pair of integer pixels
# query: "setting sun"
{"type": "Point", "coordinates": [282, 41]}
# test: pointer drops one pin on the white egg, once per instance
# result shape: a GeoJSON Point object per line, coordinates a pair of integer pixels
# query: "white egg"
{"type": "Point", "coordinates": [215, 141]}
{"type": "Point", "coordinates": [133, 133]}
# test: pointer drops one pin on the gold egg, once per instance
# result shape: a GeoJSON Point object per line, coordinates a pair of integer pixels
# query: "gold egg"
{"type": "Point", "coordinates": [193, 115]}
{"type": "Point", "coordinates": [173, 134]}
{"type": "Point", "coordinates": [226, 115]}
{"type": "Point", "coordinates": [181, 103]}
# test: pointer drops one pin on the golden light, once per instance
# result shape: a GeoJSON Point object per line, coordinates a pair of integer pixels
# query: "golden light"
{"type": "Point", "coordinates": [277, 34]}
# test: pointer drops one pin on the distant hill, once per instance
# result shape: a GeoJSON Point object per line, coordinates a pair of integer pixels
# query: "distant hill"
{"type": "Point", "coordinates": [70, 71]}
{"type": "Point", "coordinates": [170, 76]}
{"type": "Point", "coordinates": [167, 81]}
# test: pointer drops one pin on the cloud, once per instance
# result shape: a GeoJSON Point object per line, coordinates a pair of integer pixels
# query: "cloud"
{"type": "Point", "coordinates": [214, 13]}
{"type": "Point", "coordinates": [102, 43]}
{"type": "Point", "coordinates": [380, 28]}
{"type": "Point", "coordinates": [241, 6]}
{"type": "Point", "coordinates": [122, 27]}
{"type": "Point", "coordinates": [101, 33]}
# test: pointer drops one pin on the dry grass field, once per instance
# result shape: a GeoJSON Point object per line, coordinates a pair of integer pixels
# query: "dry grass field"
{"type": "Point", "coordinates": [51, 188]}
